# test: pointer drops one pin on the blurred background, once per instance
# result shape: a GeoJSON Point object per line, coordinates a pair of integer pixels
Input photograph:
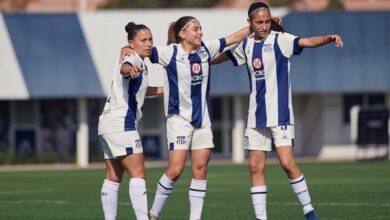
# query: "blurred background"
{"type": "Point", "coordinates": [57, 59]}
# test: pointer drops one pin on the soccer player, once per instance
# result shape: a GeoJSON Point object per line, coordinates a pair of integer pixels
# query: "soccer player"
{"type": "Point", "coordinates": [118, 124]}
{"type": "Point", "coordinates": [267, 55]}
{"type": "Point", "coordinates": [187, 59]}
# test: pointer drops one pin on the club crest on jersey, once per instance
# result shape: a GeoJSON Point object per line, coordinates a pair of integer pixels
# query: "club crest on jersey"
{"type": "Point", "coordinates": [256, 64]}
{"type": "Point", "coordinates": [267, 48]}
{"type": "Point", "coordinates": [203, 54]}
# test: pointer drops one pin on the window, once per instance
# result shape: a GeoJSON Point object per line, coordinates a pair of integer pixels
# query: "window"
{"type": "Point", "coordinates": [360, 99]}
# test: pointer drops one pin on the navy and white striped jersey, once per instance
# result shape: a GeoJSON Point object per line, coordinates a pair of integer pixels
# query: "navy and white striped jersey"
{"type": "Point", "coordinates": [187, 80]}
{"type": "Point", "coordinates": [268, 63]}
{"type": "Point", "coordinates": [123, 109]}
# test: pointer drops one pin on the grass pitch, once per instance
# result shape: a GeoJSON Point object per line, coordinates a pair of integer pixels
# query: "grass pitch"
{"type": "Point", "coordinates": [359, 190]}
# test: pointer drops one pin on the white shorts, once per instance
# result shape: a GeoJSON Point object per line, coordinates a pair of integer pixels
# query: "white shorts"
{"type": "Point", "coordinates": [182, 135]}
{"type": "Point", "coordinates": [120, 144]}
{"type": "Point", "coordinates": [261, 138]}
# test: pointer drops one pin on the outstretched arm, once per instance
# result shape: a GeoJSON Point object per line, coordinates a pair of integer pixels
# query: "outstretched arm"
{"type": "Point", "coordinates": [130, 71]}
{"type": "Point", "coordinates": [238, 36]}
{"type": "Point", "coordinates": [320, 40]}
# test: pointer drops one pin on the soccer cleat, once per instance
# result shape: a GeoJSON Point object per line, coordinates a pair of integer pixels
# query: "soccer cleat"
{"type": "Point", "coordinates": [152, 217]}
{"type": "Point", "coordinates": [312, 215]}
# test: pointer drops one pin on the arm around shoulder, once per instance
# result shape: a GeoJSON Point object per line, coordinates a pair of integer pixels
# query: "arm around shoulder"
{"type": "Point", "coordinates": [237, 36]}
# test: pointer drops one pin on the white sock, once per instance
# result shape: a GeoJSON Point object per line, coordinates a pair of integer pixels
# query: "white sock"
{"type": "Point", "coordinates": [109, 197]}
{"type": "Point", "coordinates": [259, 201]}
{"type": "Point", "coordinates": [197, 193]}
{"type": "Point", "coordinates": [138, 197]}
{"type": "Point", "coordinates": [165, 187]}
{"type": "Point", "coordinates": [300, 189]}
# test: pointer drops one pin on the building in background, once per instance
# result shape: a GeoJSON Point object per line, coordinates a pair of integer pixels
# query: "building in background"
{"type": "Point", "coordinates": [53, 80]}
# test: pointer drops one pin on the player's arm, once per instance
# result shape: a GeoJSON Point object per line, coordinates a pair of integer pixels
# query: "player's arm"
{"type": "Point", "coordinates": [237, 36]}
{"type": "Point", "coordinates": [220, 58]}
{"type": "Point", "coordinates": [317, 41]}
{"type": "Point", "coordinates": [152, 91]}
{"type": "Point", "coordinates": [128, 70]}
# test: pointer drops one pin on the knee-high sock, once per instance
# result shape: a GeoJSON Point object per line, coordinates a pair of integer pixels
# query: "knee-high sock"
{"type": "Point", "coordinates": [197, 193]}
{"type": "Point", "coordinates": [259, 201]}
{"type": "Point", "coordinates": [109, 197]}
{"type": "Point", "coordinates": [138, 197]}
{"type": "Point", "coordinates": [165, 187]}
{"type": "Point", "coordinates": [300, 189]}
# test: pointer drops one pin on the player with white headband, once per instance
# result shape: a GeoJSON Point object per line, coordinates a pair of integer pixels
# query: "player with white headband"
{"type": "Point", "coordinates": [267, 55]}
{"type": "Point", "coordinates": [187, 59]}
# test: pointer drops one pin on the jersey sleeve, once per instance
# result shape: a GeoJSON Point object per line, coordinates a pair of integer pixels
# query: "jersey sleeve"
{"type": "Point", "coordinates": [132, 60]}
{"type": "Point", "coordinates": [288, 44]}
{"type": "Point", "coordinates": [237, 54]}
{"type": "Point", "coordinates": [162, 55]}
{"type": "Point", "coordinates": [215, 47]}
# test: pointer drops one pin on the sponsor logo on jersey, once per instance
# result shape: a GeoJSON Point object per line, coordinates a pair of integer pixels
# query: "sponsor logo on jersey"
{"type": "Point", "coordinates": [259, 75]}
{"type": "Point", "coordinates": [181, 140]}
{"type": "Point", "coordinates": [196, 68]}
{"type": "Point", "coordinates": [258, 69]}
{"type": "Point", "coordinates": [196, 74]}
{"type": "Point", "coordinates": [256, 64]}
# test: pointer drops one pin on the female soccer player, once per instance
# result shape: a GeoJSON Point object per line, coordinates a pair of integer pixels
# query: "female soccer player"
{"type": "Point", "coordinates": [118, 124]}
{"type": "Point", "coordinates": [270, 115]}
{"type": "Point", "coordinates": [186, 92]}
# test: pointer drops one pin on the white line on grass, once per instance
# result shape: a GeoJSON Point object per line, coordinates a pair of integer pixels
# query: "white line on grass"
{"type": "Point", "coordinates": [16, 192]}
{"type": "Point", "coordinates": [63, 202]}
{"type": "Point", "coordinates": [335, 204]}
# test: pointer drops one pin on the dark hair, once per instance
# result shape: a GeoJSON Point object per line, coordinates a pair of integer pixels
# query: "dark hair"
{"type": "Point", "coordinates": [257, 5]}
{"type": "Point", "coordinates": [175, 28]}
{"type": "Point", "coordinates": [132, 29]}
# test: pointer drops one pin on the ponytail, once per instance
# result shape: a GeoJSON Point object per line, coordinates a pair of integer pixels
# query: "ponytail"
{"type": "Point", "coordinates": [172, 37]}
{"type": "Point", "coordinates": [276, 27]}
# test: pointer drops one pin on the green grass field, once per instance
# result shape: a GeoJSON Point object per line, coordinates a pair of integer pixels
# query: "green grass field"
{"type": "Point", "coordinates": [344, 191]}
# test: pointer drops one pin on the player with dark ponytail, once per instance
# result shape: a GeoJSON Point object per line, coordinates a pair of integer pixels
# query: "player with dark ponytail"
{"type": "Point", "coordinates": [118, 125]}
{"type": "Point", "coordinates": [267, 56]}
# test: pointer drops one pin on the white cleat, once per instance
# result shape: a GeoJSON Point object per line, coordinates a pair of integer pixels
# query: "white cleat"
{"type": "Point", "coordinates": [153, 215]}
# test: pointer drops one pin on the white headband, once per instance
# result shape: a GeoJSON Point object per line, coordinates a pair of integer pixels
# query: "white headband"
{"type": "Point", "coordinates": [188, 23]}
{"type": "Point", "coordinates": [257, 9]}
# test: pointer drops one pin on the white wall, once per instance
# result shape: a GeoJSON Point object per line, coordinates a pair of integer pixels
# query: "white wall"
{"type": "Point", "coordinates": [105, 32]}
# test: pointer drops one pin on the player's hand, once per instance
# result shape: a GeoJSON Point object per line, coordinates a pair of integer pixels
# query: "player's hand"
{"type": "Point", "coordinates": [135, 71]}
{"type": "Point", "coordinates": [126, 51]}
{"type": "Point", "coordinates": [277, 19]}
{"type": "Point", "coordinates": [337, 40]}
